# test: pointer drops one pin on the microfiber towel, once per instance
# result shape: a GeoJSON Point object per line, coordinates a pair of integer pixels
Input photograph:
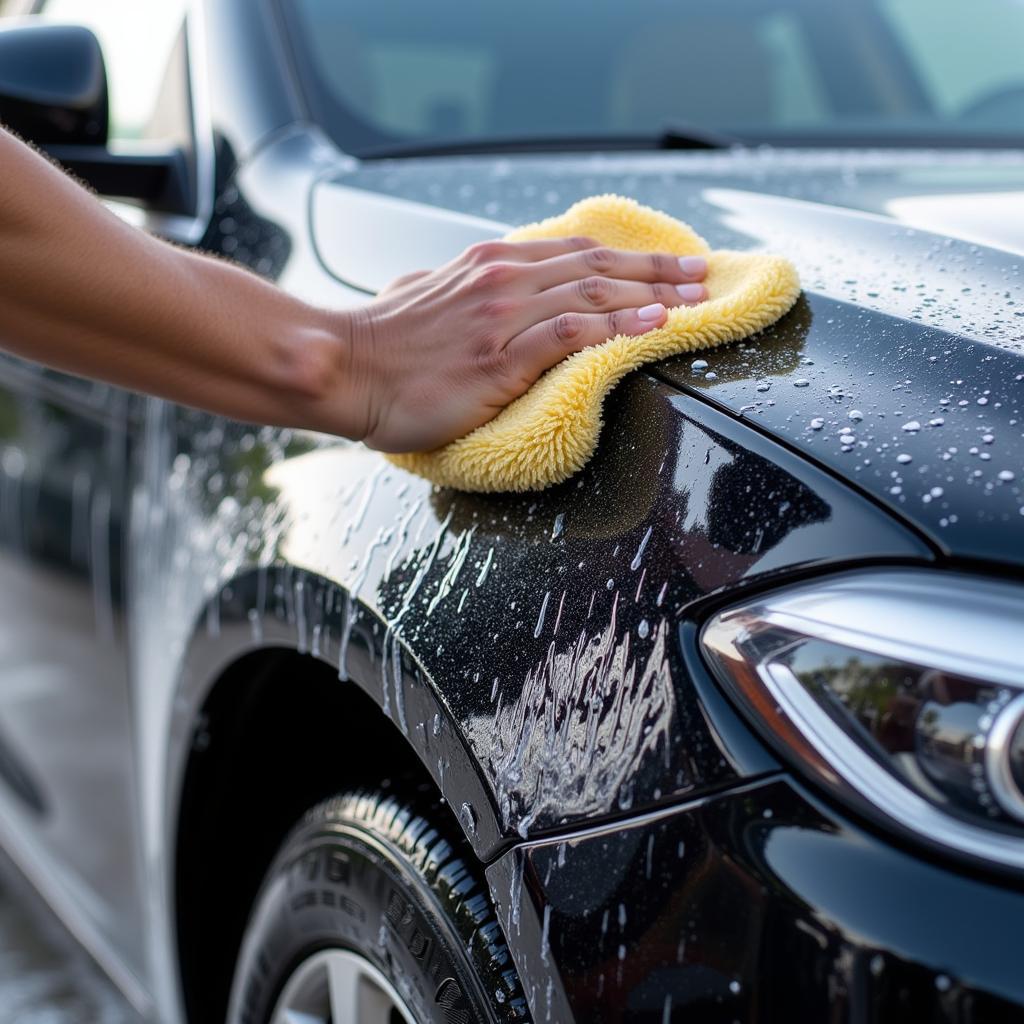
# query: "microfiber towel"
{"type": "Point", "coordinates": [552, 430]}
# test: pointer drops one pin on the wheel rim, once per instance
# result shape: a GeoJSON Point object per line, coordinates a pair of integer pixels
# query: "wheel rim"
{"type": "Point", "coordinates": [336, 986]}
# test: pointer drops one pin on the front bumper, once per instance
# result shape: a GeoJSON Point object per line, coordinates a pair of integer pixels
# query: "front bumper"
{"type": "Point", "coordinates": [756, 905]}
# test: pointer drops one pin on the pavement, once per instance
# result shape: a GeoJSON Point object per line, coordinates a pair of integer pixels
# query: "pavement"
{"type": "Point", "coordinates": [44, 977]}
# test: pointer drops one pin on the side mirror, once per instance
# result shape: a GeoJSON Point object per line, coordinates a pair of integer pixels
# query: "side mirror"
{"type": "Point", "coordinates": [53, 84]}
{"type": "Point", "coordinates": [53, 93]}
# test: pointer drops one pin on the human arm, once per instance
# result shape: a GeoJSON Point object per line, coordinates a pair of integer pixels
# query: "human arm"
{"type": "Point", "coordinates": [435, 355]}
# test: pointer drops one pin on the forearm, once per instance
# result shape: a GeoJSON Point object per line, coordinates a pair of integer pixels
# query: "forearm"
{"type": "Point", "coordinates": [432, 357]}
{"type": "Point", "coordinates": [84, 292]}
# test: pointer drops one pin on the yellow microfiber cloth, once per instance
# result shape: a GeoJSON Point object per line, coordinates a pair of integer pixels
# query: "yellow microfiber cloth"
{"type": "Point", "coordinates": [551, 431]}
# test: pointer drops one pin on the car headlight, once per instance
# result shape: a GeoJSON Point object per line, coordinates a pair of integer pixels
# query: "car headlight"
{"type": "Point", "coordinates": [900, 690]}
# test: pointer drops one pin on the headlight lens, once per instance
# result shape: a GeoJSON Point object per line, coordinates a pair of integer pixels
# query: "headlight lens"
{"type": "Point", "coordinates": [901, 690]}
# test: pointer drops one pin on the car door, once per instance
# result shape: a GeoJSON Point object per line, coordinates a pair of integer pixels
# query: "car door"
{"type": "Point", "coordinates": [68, 807]}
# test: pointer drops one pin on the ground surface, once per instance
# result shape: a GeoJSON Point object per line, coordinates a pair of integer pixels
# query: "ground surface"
{"type": "Point", "coordinates": [44, 979]}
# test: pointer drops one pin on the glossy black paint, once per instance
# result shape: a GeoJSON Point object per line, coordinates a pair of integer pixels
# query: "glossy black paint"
{"type": "Point", "coordinates": [900, 325]}
{"type": "Point", "coordinates": [943, 476]}
{"type": "Point", "coordinates": [599, 724]}
{"type": "Point", "coordinates": [542, 626]}
{"type": "Point", "coordinates": [756, 905]}
{"type": "Point", "coordinates": [507, 764]}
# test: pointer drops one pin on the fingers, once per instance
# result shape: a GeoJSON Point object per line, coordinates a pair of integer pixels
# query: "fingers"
{"type": "Point", "coordinates": [547, 248]}
{"type": "Point", "coordinates": [604, 294]}
{"type": "Point", "coordinates": [600, 261]}
{"type": "Point", "coordinates": [542, 346]}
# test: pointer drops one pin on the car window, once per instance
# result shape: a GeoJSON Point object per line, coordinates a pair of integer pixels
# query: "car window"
{"type": "Point", "coordinates": [863, 70]}
{"type": "Point", "coordinates": [985, 81]}
{"type": "Point", "coordinates": [137, 37]}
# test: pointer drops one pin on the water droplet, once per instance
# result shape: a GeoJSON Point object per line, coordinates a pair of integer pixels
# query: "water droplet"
{"type": "Point", "coordinates": [911, 426]}
{"type": "Point", "coordinates": [903, 458]}
{"type": "Point", "coordinates": [942, 982]}
{"type": "Point", "coordinates": [817, 423]}
{"type": "Point", "coordinates": [734, 987]}
{"type": "Point", "coordinates": [801, 382]}
{"type": "Point", "coordinates": [1006, 475]}
{"type": "Point", "coordinates": [643, 629]}
{"type": "Point", "coordinates": [638, 558]}
{"type": "Point", "coordinates": [539, 628]}
{"type": "Point", "coordinates": [558, 527]}
{"type": "Point", "coordinates": [856, 415]}
{"type": "Point", "coordinates": [698, 365]}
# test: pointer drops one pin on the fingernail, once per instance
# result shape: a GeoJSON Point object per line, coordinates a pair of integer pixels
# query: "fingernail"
{"type": "Point", "coordinates": [693, 266]}
{"type": "Point", "coordinates": [655, 311]}
{"type": "Point", "coordinates": [691, 292]}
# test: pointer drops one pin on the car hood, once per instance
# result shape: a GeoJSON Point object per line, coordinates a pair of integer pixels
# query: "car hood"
{"type": "Point", "coordinates": [902, 367]}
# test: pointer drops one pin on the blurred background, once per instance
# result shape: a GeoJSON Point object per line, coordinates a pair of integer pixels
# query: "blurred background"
{"type": "Point", "coordinates": [44, 978]}
{"type": "Point", "coordinates": [136, 36]}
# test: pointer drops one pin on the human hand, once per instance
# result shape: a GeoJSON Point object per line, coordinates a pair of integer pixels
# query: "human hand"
{"type": "Point", "coordinates": [438, 353]}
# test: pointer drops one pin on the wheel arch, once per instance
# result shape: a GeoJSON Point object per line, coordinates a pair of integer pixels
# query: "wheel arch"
{"type": "Point", "coordinates": [264, 726]}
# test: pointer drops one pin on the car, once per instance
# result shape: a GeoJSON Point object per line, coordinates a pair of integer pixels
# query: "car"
{"type": "Point", "coordinates": [727, 727]}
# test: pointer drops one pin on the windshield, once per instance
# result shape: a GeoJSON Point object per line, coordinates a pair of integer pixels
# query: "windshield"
{"type": "Point", "coordinates": [808, 72]}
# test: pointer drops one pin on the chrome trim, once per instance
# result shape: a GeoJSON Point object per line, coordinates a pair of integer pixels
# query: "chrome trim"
{"type": "Point", "coordinates": [878, 786]}
{"type": "Point", "coordinates": [954, 622]}
{"type": "Point", "coordinates": [929, 621]}
{"type": "Point", "coordinates": [997, 759]}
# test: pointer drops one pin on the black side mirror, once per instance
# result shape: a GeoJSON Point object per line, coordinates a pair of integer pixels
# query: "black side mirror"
{"type": "Point", "coordinates": [53, 92]}
{"type": "Point", "coordinates": [53, 84]}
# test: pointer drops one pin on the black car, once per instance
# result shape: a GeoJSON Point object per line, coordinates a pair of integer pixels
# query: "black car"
{"type": "Point", "coordinates": [729, 726]}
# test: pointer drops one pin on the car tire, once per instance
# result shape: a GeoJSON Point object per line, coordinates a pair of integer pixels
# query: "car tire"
{"type": "Point", "coordinates": [381, 896]}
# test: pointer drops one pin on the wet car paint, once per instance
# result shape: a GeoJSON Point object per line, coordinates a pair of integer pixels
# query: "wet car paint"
{"type": "Point", "coordinates": [419, 594]}
{"type": "Point", "coordinates": [756, 905]}
{"type": "Point", "coordinates": [909, 380]}
{"type": "Point", "coordinates": [244, 537]}
{"type": "Point", "coordinates": [829, 211]}
{"type": "Point", "coordinates": [528, 640]}
{"type": "Point", "coordinates": [928, 424]}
